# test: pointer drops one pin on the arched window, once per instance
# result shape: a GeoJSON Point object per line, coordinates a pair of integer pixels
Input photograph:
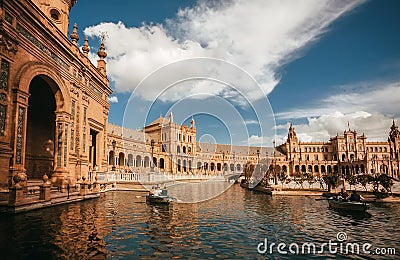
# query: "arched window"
{"type": "Point", "coordinates": [184, 149]}
{"type": "Point", "coordinates": [146, 162]}
{"type": "Point", "coordinates": [179, 165]}
{"type": "Point", "coordinates": [111, 158]}
{"type": "Point", "coordinates": [218, 167]}
{"type": "Point", "coordinates": [121, 159]}
{"type": "Point", "coordinates": [162, 163]}
{"type": "Point", "coordinates": [138, 161]}
{"type": "Point", "coordinates": [189, 150]}
{"type": "Point", "coordinates": [178, 149]}
{"type": "Point", "coordinates": [130, 160]}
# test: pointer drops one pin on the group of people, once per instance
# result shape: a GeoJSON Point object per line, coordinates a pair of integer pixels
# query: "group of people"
{"type": "Point", "coordinates": [354, 196]}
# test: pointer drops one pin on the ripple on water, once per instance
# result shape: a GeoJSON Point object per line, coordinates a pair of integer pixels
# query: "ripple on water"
{"type": "Point", "coordinates": [122, 225]}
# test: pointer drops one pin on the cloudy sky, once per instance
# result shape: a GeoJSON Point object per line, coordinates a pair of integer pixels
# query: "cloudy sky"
{"type": "Point", "coordinates": [245, 69]}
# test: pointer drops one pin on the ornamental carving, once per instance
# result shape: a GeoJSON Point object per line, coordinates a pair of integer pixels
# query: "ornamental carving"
{"type": "Point", "coordinates": [85, 97]}
{"type": "Point", "coordinates": [74, 89]}
{"type": "Point", "coordinates": [8, 46]}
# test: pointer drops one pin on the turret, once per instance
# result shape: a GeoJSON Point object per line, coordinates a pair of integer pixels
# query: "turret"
{"type": "Point", "coordinates": [101, 63]}
{"type": "Point", "coordinates": [57, 11]}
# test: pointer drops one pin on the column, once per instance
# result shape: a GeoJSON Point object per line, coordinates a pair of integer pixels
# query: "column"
{"type": "Point", "coordinates": [18, 138]}
{"type": "Point", "coordinates": [60, 175]}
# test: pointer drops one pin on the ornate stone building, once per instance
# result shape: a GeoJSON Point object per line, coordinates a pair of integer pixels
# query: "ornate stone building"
{"type": "Point", "coordinates": [347, 153]}
{"type": "Point", "coordinates": [53, 100]}
{"type": "Point", "coordinates": [175, 150]}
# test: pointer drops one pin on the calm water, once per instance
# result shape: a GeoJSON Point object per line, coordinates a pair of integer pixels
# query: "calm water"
{"type": "Point", "coordinates": [121, 225]}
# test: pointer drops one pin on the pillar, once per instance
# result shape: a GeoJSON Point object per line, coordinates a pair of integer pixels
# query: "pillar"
{"type": "Point", "coordinates": [61, 150]}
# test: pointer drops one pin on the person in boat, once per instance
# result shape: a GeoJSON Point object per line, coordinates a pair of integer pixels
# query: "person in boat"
{"type": "Point", "coordinates": [342, 195]}
{"type": "Point", "coordinates": [355, 197]}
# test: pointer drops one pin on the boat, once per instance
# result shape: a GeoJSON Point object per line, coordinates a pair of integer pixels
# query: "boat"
{"type": "Point", "coordinates": [159, 197]}
{"type": "Point", "coordinates": [347, 205]}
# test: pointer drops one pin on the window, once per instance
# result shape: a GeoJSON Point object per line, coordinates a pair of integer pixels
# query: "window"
{"type": "Point", "coordinates": [54, 14]}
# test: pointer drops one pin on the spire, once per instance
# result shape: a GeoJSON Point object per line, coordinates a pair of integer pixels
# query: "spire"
{"type": "Point", "coordinates": [101, 53]}
{"type": "Point", "coordinates": [171, 117]}
{"type": "Point", "coordinates": [192, 123]}
{"type": "Point", "coordinates": [348, 125]}
{"type": "Point", "coordinates": [101, 64]}
{"type": "Point", "coordinates": [85, 48]}
{"type": "Point", "coordinates": [74, 35]}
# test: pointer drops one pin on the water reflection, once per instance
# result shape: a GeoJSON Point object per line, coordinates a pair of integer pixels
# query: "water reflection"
{"type": "Point", "coordinates": [122, 225]}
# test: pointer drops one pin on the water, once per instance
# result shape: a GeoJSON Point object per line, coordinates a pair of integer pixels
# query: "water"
{"type": "Point", "coordinates": [120, 225]}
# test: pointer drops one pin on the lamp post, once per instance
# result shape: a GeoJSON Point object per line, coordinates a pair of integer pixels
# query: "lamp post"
{"type": "Point", "coordinates": [152, 142]}
{"type": "Point", "coordinates": [234, 162]}
{"type": "Point", "coordinates": [113, 159]}
{"type": "Point", "coordinates": [223, 163]}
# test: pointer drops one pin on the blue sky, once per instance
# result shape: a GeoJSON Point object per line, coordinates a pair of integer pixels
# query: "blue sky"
{"type": "Point", "coordinates": [320, 64]}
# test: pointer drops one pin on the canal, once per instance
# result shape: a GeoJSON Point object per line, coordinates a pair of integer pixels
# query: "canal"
{"type": "Point", "coordinates": [120, 225]}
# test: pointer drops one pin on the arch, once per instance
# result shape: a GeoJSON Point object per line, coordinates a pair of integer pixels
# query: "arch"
{"type": "Point", "coordinates": [184, 166]}
{"type": "Point", "coordinates": [121, 159]}
{"type": "Point", "coordinates": [232, 167]}
{"type": "Point", "coordinates": [111, 156]}
{"type": "Point", "coordinates": [190, 165]}
{"type": "Point", "coordinates": [162, 166]}
{"type": "Point", "coordinates": [198, 165]}
{"type": "Point", "coordinates": [212, 166]}
{"type": "Point", "coordinates": [323, 170]}
{"type": "Point", "coordinates": [184, 149]}
{"type": "Point", "coordinates": [343, 157]}
{"type": "Point", "coordinates": [205, 166]}
{"type": "Point", "coordinates": [296, 168]}
{"type": "Point", "coordinates": [316, 168]}
{"type": "Point", "coordinates": [303, 168]}
{"type": "Point", "coordinates": [329, 169]}
{"type": "Point", "coordinates": [178, 149]}
{"type": "Point", "coordinates": [225, 167]}
{"type": "Point", "coordinates": [218, 166]}
{"type": "Point", "coordinates": [138, 161]}
{"type": "Point", "coordinates": [52, 77]}
{"type": "Point", "coordinates": [130, 159]}
{"type": "Point", "coordinates": [310, 168]}
{"type": "Point", "coordinates": [154, 161]}
{"type": "Point", "coordinates": [362, 168]}
{"type": "Point", "coordinates": [238, 167]}
{"type": "Point", "coordinates": [179, 165]}
{"type": "Point", "coordinates": [146, 163]}
{"type": "Point", "coordinates": [284, 168]}
{"type": "Point", "coordinates": [357, 169]}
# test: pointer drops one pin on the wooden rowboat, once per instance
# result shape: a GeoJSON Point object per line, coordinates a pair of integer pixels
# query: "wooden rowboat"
{"type": "Point", "coordinates": [347, 205]}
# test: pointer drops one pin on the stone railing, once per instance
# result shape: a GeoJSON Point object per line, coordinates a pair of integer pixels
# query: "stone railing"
{"type": "Point", "coordinates": [115, 176]}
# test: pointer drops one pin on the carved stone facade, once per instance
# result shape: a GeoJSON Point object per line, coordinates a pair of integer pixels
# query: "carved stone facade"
{"type": "Point", "coordinates": [177, 151]}
{"type": "Point", "coordinates": [50, 96]}
{"type": "Point", "coordinates": [345, 154]}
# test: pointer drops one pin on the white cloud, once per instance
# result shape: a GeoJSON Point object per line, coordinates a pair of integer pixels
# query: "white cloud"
{"type": "Point", "coordinates": [113, 99]}
{"type": "Point", "coordinates": [379, 97]}
{"type": "Point", "coordinates": [374, 125]}
{"type": "Point", "coordinates": [259, 36]}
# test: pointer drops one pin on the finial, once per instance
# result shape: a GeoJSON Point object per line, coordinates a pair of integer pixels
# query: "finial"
{"type": "Point", "coordinates": [348, 125]}
{"type": "Point", "coordinates": [74, 35]}
{"type": "Point", "coordinates": [101, 53]}
{"type": "Point", "coordinates": [85, 47]}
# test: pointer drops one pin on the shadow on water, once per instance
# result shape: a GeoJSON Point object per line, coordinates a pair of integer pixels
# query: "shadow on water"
{"type": "Point", "coordinates": [121, 225]}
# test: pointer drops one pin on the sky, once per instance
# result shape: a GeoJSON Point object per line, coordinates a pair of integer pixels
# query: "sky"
{"type": "Point", "coordinates": [245, 70]}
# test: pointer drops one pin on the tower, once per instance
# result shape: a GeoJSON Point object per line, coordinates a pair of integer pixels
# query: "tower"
{"type": "Point", "coordinates": [57, 11]}
{"type": "Point", "coordinates": [292, 143]}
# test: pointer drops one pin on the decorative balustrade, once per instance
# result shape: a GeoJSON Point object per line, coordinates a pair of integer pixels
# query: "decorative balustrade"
{"type": "Point", "coordinates": [115, 176]}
